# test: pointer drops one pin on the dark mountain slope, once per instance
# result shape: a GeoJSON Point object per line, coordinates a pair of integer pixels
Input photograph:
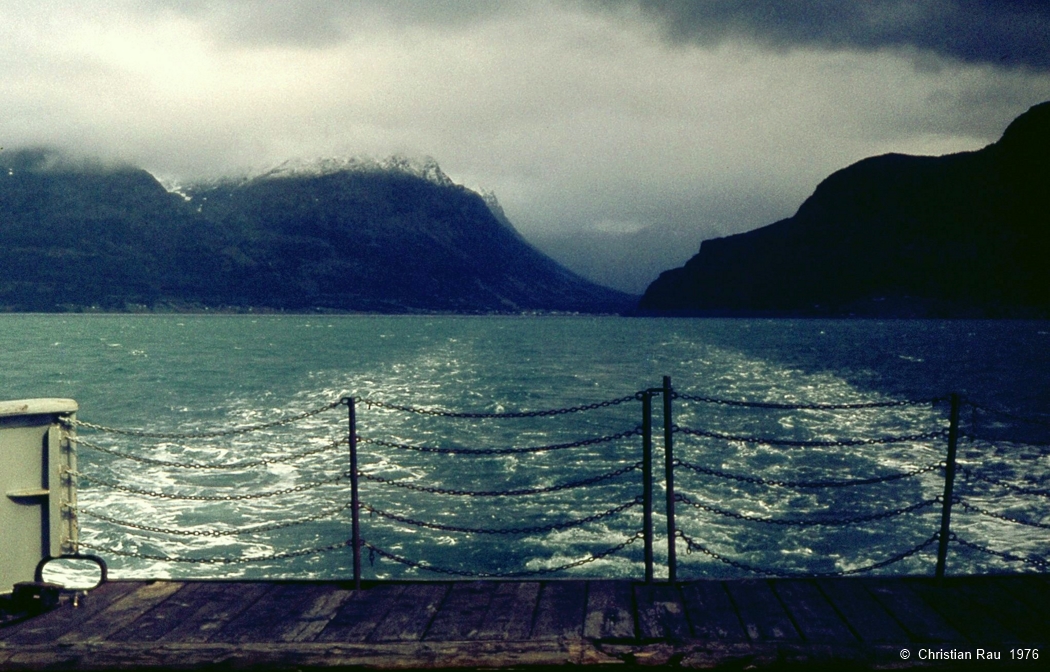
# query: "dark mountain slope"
{"type": "Point", "coordinates": [384, 240]}
{"type": "Point", "coordinates": [85, 235]}
{"type": "Point", "coordinates": [959, 235]}
{"type": "Point", "coordinates": [75, 236]}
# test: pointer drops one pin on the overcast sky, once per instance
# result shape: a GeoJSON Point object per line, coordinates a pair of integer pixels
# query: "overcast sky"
{"type": "Point", "coordinates": [714, 114]}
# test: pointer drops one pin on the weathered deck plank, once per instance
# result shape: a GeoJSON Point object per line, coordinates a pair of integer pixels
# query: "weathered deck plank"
{"type": "Point", "coordinates": [713, 615]}
{"type": "Point", "coordinates": [814, 617]}
{"type": "Point", "coordinates": [168, 615]}
{"type": "Point", "coordinates": [560, 610]}
{"type": "Point", "coordinates": [1004, 608]}
{"type": "Point", "coordinates": [855, 622]}
{"type": "Point", "coordinates": [464, 609]}
{"type": "Point", "coordinates": [510, 612]}
{"type": "Point", "coordinates": [268, 617]}
{"type": "Point", "coordinates": [1035, 595]}
{"type": "Point", "coordinates": [863, 614]}
{"type": "Point", "coordinates": [919, 619]}
{"type": "Point", "coordinates": [49, 626]}
{"type": "Point", "coordinates": [411, 613]}
{"type": "Point", "coordinates": [973, 622]}
{"type": "Point", "coordinates": [121, 612]}
{"type": "Point", "coordinates": [221, 607]}
{"type": "Point", "coordinates": [359, 616]}
{"type": "Point", "coordinates": [661, 612]}
{"type": "Point", "coordinates": [316, 616]}
{"type": "Point", "coordinates": [609, 611]}
{"type": "Point", "coordinates": [760, 611]}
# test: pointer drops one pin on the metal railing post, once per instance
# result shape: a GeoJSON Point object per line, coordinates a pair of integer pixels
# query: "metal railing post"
{"type": "Point", "coordinates": [672, 558]}
{"type": "Point", "coordinates": [71, 527]}
{"type": "Point", "coordinates": [949, 482]}
{"type": "Point", "coordinates": [355, 513]}
{"type": "Point", "coordinates": [647, 482]}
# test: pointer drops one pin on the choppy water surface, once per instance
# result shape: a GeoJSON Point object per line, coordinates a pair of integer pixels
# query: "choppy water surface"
{"type": "Point", "coordinates": [201, 374]}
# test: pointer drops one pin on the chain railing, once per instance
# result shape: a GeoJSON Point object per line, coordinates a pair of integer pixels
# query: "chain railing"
{"type": "Point", "coordinates": [693, 545]}
{"type": "Point", "coordinates": [465, 458]}
{"type": "Point", "coordinates": [230, 470]}
{"type": "Point", "coordinates": [444, 413]}
{"type": "Point", "coordinates": [336, 477]}
{"type": "Point", "coordinates": [997, 495]}
{"type": "Point", "coordinates": [375, 551]}
{"type": "Point", "coordinates": [973, 480]}
{"type": "Point", "coordinates": [987, 492]}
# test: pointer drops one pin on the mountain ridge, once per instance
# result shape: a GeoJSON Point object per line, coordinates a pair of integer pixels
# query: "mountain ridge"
{"type": "Point", "coordinates": [961, 235]}
{"type": "Point", "coordinates": [395, 237]}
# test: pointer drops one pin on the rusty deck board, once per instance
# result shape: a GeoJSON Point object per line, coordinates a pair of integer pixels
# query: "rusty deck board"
{"type": "Point", "coordinates": [864, 623]}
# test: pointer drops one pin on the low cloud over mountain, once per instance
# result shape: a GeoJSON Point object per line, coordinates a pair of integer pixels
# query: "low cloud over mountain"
{"type": "Point", "coordinates": [362, 236]}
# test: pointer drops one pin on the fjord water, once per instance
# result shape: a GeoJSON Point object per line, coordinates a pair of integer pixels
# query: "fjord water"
{"type": "Point", "coordinates": [173, 374]}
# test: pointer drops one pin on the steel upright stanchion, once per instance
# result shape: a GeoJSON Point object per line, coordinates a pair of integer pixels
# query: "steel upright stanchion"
{"type": "Point", "coordinates": [949, 481]}
{"type": "Point", "coordinates": [672, 556]}
{"type": "Point", "coordinates": [647, 482]}
{"type": "Point", "coordinates": [355, 518]}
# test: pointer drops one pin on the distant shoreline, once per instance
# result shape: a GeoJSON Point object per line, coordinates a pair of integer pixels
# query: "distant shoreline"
{"type": "Point", "coordinates": [255, 312]}
{"type": "Point", "coordinates": [694, 315]}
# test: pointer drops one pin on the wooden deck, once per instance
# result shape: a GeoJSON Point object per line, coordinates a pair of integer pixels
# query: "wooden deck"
{"type": "Point", "coordinates": [857, 623]}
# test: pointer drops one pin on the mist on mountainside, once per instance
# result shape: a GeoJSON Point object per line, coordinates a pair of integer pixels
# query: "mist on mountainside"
{"type": "Point", "coordinates": [625, 260]}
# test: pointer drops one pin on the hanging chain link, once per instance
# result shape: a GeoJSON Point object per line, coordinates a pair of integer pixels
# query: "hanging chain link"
{"type": "Point", "coordinates": [208, 498]}
{"type": "Point", "coordinates": [807, 522]}
{"type": "Point", "coordinates": [809, 484]}
{"type": "Point", "coordinates": [220, 561]}
{"type": "Point", "coordinates": [692, 544]}
{"type": "Point", "coordinates": [809, 407]}
{"type": "Point", "coordinates": [375, 403]}
{"type": "Point", "coordinates": [837, 443]}
{"type": "Point", "coordinates": [1028, 560]}
{"type": "Point", "coordinates": [997, 442]}
{"type": "Point", "coordinates": [196, 465]}
{"type": "Point", "coordinates": [503, 493]}
{"type": "Point", "coordinates": [376, 551]}
{"type": "Point", "coordinates": [256, 529]}
{"type": "Point", "coordinates": [1045, 422]}
{"type": "Point", "coordinates": [973, 475]}
{"type": "Point", "coordinates": [551, 527]}
{"type": "Point", "coordinates": [985, 512]}
{"type": "Point", "coordinates": [69, 422]}
{"type": "Point", "coordinates": [504, 451]}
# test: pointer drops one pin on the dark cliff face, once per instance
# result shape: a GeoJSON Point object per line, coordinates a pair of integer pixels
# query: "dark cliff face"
{"type": "Point", "coordinates": [959, 235]}
{"type": "Point", "coordinates": [80, 236]}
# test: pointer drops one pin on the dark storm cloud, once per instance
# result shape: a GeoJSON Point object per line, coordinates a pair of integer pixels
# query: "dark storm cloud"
{"type": "Point", "coordinates": [1006, 33]}
{"type": "Point", "coordinates": [708, 117]}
